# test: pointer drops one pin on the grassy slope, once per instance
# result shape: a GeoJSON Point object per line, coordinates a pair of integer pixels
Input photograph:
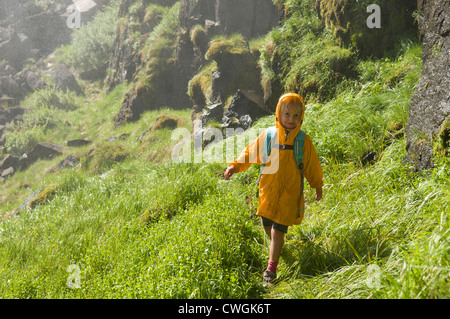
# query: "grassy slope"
{"type": "Point", "coordinates": [150, 228]}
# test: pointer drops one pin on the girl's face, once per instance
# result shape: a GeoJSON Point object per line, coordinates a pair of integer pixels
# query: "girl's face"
{"type": "Point", "coordinates": [290, 116]}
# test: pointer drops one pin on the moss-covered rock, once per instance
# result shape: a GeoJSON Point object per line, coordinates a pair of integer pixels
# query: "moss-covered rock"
{"type": "Point", "coordinates": [44, 196]}
{"type": "Point", "coordinates": [103, 157]}
{"type": "Point", "coordinates": [237, 67]}
{"type": "Point", "coordinates": [348, 21]}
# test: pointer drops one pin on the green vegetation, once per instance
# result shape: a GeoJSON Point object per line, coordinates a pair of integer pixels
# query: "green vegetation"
{"type": "Point", "coordinates": [303, 56]}
{"type": "Point", "coordinates": [92, 43]}
{"type": "Point", "coordinates": [45, 119]}
{"type": "Point", "coordinates": [346, 20]}
{"type": "Point", "coordinates": [138, 225]}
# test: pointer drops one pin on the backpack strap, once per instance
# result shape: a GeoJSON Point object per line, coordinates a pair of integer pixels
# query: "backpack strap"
{"type": "Point", "coordinates": [298, 153]}
{"type": "Point", "coordinates": [298, 148]}
{"type": "Point", "coordinates": [269, 141]}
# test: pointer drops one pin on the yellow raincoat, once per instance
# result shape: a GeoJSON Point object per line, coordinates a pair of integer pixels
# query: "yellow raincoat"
{"type": "Point", "coordinates": [279, 191]}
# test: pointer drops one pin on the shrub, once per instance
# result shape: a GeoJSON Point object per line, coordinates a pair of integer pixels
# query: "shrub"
{"type": "Point", "coordinates": [20, 141]}
{"type": "Point", "coordinates": [92, 43]}
{"type": "Point", "coordinates": [51, 98]}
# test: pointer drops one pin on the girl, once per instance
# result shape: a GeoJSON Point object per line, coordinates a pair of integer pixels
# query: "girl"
{"type": "Point", "coordinates": [280, 201]}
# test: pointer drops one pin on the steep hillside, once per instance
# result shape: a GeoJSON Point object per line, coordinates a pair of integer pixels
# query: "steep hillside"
{"type": "Point", "coordinates": [112, 167]}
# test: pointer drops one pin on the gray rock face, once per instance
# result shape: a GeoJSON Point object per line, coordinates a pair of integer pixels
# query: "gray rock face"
{"type": "Point", "coordinates": [26, 30]}
{"type": "Point", "coordinates": [64, 79]}
{"type": "Point", "coordinates": [428, 119]}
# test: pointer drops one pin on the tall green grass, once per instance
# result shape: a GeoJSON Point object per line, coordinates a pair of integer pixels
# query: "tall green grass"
{"type": "Point", "coordinates": [146, 227]}
{"type": "Point", "coordinates": [207, 249]}
{"type": "Point", "coordinates": [379, 232]}
{"type": "Point", "coordinates": [369, 113]}
{"type": "Point", "coordinates": [48, 112]}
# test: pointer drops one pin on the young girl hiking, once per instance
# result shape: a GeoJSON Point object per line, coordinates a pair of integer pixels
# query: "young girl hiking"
{"type": "Point", "coordinates": [281, 201]}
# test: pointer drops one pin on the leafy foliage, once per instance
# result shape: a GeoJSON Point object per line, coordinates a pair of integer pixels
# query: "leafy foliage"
{"type": "Point", "coordinates": [92, 43]}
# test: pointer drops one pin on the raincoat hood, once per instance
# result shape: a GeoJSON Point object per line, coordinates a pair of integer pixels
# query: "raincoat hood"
{"type": "Point", "coordinates": [289, 98]}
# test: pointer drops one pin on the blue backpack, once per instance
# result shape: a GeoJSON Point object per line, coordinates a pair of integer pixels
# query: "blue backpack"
{"type": "Point", "coordinates": [298, 145]}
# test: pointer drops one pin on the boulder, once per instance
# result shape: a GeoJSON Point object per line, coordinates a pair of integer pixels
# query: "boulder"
{"type": "Point", "coordinates": [251, 18]}
{"type": "Point", "coordinates": [10, 161]}
{"type": "Point", "coordinates": [6, 69]}
{"type": "Point", "coordinates": [133, 105]}
{"type": "Point", "coordinates": [64, 79]}
{"type": "Point", "coordinates": [165, 121]}
{"type": "Point", "coordinates": [44, 150]}
{"type": "Point", "coordinates": [96, 73]}
{"type": "Point", "coordinates": [237, 70]}
{"type": "Point", "coordinates": [45, 30]}
{"type": "Point", "coordinates": [78, 142]}
{"type": "Point", "coordinates": [125, 58]}
{"type": "Point", "coordinates": [212, 112]}
{"type": "Point", "coordinates": [122, 137]}
{"type": "Point", "coordinates": [25, 205]}
{"type": "Point", "coordinates": [7, 172]}
{"type": "Point", "coordinates": [14, 48]}
{"type": "Point", "coordinates": [70, 161]}
{"type": "Point", "coordinates": [428, 123]}
{"type": "Point", "coordinates": [34, 82]}
{"type": "Point", "coordinates": [11, 114]}
{"type": "Point", "coordinates": [29, 31]}
{"type": "Point", "coordinates": [2, 137]}
{"type": "Point", "coordinates": [9, 87]}
{"type": "Point", "coordinates": [348, 22]}
{"type": "Point", "coordinates": [28, 81]}
{"type": "Point", "coordinates": [244, 109]}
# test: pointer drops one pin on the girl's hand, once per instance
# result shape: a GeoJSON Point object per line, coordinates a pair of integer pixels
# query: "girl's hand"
{"type": "Point", "coordinates": [229, 172]}
{"type": "Point", "coordinates": [318, 193]}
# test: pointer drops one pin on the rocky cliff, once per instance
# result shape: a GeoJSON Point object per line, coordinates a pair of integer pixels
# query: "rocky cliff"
{"type": "Point", "coordinates": [181, 54]}
{"type": "Point", "coordinates": [251, 18]}
{"type": "Point", "coordinates": [29, 34]}
{"type": "Point", "coordinates": [348, 22]}
{"type": "Point", "coordinates": [428, 127]}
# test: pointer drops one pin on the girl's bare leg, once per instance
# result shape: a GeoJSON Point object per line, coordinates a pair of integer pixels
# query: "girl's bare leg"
{"type": "Point", "coordinates": [276, 244]}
